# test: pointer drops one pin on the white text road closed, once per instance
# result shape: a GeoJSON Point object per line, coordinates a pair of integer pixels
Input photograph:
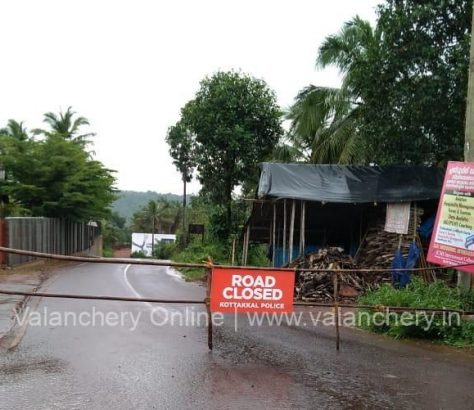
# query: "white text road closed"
{"type": "Point", "coordinates": [251, 290]}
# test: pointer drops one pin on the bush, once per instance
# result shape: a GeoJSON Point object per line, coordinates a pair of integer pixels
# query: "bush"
{"type": "Point", "coordinates": [163, 250]}
{"type": "Point", "coordinates": [138, 254]}
{"type": "Point", "coordinates": [420, 295]}
{"type": "Point", "coordinates": [107, 252]}
{"type": "Point", "coordinates": [258, 255]}
{"type": "Point", "coordinates": [196, 252]}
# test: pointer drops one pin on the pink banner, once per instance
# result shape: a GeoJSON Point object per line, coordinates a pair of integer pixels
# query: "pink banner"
{"type": "Point", "coordinates": [452, 242]}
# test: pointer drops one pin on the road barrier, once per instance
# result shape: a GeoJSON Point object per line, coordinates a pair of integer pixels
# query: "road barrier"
{"type": "Point", "coordinates": [210, 268]}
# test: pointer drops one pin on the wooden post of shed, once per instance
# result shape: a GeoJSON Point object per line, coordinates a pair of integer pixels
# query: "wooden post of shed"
{"type": "Point", "coordinates": [292, 231]}
{"type": "Point", "coordinates": [302, 227]}
{"type": "Point", "coordinates": [284, 231]}
{"type": "Point", "coordinates": [246, 242]}
{"type": "Point", "coordinates": [274, 234]}
{"type": "Point", "coordinates": [233, 252]}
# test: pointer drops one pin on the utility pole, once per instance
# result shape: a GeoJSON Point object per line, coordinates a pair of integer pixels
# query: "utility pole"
{"type": "Point", "coordinates": [465, 279]}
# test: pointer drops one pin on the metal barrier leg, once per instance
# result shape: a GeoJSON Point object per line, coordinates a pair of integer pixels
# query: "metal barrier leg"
{"type": "Point", "coordinates": [208, 306]}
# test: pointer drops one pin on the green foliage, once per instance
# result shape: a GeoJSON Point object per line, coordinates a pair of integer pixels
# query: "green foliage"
{"type": "Point", "coordinates": [181, 149]}
{"type": "Point", "coordinates": [55, 177]}
{"type": "Point", "coordinates": [420, 295]}
{"type": "Point", "coordinates": [258, 255]}
{"type": "Point", "coordinates": [218, 219]}
{"type": "Point", "coordinates": [326, 122]}
{"type": "Point", "coordinates": [164, 250]}
{"type": "Point", "coordinates": [16, 130]}
{"type": "Point", "coordinates": [196, 252]}
{"type": "Point", "coordinates": [115, 232]}
{"type": "Point", "coordinates": [67, 125]}
{"type": "Point", "coordinates": [402, 100]}
{"type": "Point", "coordinates": [234, 122]}
{"type": "Point", "coordinates": [129, 202]}
{"type": "Point", "coordinates": [138, 254]}
{"type": "Point", "coordinates": [160, 216]}
{"type": "Point", "coordinates": [417, 91]}
{"type": "Point", "coordinates": [107, 252]}
{"type": "Point", "coordinates": [199, 210]}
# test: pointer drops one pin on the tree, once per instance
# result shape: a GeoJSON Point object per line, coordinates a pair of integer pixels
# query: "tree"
{"type": "Point", "coordinates": [182, 151]}
{"type": "Point", "coordinates": [416, 94]}
{"type": "Point", "coordinates": [326, 122]}
{"type": "Point", "coordinates": [67, 125]}
{"type": "Point", "coordinates": [115, 231]}
{"type": "Point", "coordinates": [14, 147]}
{"type": "Point", "coordinates": [160, 216]}
{"type": "Point", "coordinates": [56, 178]}
{"type": "Point", "coordinates": [15, 130]}
{"type": "Point", "coordinates": [235, 123]}
{"type": "Point", "coordinates": [402, 100]}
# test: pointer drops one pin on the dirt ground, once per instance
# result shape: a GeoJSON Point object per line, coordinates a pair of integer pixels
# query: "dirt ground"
{"type": "Point", "coordinates": [122, 253]}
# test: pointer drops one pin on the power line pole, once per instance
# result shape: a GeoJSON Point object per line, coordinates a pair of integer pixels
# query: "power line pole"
{"type": "Point", "coordinates": [465, 279]}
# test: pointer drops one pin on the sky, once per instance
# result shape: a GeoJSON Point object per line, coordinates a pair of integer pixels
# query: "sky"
{"type": "Point", "coordinates": [129, 66]}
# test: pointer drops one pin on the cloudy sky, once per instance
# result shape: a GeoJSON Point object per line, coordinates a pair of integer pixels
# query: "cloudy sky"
{"type": "Point", "coordinates": [129, 66]}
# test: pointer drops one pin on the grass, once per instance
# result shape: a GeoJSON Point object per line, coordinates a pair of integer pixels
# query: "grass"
{"type": "Point", "coordinates": [417, 294]}
{"type": "Point", "coordinates": [197, 252]}
{"type": "Point", "coordinates": [107, 252]}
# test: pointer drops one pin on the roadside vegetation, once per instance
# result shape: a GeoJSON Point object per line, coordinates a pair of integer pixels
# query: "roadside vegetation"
{"type": "Point", "coordinates": [52, 172]}
{"type": "Point", "coordinates": [450, 330]}
{"type": "Point", "coordinates": [195, 248]}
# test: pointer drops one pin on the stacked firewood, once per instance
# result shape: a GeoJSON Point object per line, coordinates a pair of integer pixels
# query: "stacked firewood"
{"type": "Point", "coordinates": [319, 286]}
{"type": "Point", "coordinates": [376, 251]}
{"type": "Point", "coordinates": [378, 248]}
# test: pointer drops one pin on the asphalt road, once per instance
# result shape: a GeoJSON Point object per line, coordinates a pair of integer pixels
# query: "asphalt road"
{"type": "Point", "coordinates": [153, 363]}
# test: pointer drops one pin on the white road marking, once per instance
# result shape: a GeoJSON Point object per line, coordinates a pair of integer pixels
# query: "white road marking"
{"type": "Point", "coordinates": [138, 295]}
{"type": "Point", "coordinates": [134, 291]}
{"type": "Point", "coordinates": [174, 273]}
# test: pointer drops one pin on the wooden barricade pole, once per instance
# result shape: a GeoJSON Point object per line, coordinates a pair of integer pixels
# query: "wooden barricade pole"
{"type": "Point", "coordinates": [336, 309]}
{"type": "Point", "coordinates": [208, 304]}
{"type": "Point", "coordinates": [3, 240]}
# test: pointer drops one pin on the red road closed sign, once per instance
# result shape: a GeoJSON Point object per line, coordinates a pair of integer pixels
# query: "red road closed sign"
{"type": "Point", "coordinates": [251, 290]}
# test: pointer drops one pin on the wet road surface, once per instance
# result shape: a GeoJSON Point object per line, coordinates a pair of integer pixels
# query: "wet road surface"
{"type": "Point", "coordinates": [153, 363]}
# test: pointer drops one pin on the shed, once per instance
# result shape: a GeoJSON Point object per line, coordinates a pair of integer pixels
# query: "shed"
{"type": "Point", "coordinates": [300, 207]}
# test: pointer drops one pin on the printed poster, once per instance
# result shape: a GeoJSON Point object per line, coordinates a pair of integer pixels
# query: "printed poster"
{"type": "Point", "coordinates": [452, 242]}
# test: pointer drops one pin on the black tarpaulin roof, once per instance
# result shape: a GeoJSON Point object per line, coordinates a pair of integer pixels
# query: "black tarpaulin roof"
{"type": "Point", "coordinates": [349, 184]}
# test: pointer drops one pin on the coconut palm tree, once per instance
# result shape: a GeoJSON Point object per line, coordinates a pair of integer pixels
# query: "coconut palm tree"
{"type": "Point", "coordinates": [181, 150]}
{"type": "Point", "coordinates": [326, 122]}
{"type": "Point", "coordinates": [16, 130]}
{"type": "Point", "coordinates": [66, 124]}
{"type": "Point", "coordinates": [160, 216]}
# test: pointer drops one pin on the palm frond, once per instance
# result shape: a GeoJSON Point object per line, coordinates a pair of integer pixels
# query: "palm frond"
{"type": "Point", "coordinates": [284, 152]}
{"type": "Point", "coordinates": [340, 142]}
{"type": "Point", "coordinates": [313, 106]}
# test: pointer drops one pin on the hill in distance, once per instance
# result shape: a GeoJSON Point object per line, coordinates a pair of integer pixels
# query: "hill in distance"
{"type": "Point", "coordinates": [129, 202]}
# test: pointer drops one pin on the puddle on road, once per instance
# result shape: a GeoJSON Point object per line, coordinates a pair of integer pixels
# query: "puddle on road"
{"type": "Point", "coordinates": [234, 383]}
{"type": "Point", "coordinates": [27, 367]}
